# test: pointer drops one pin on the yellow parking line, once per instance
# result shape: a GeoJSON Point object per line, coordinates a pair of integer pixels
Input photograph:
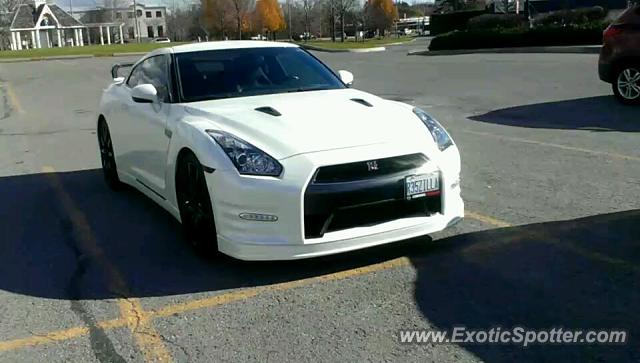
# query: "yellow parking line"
{"type": "Point", "coordinates": [558, 146]}
{"type": "Point", "coordinates": [140, 321]}
{"type": "Point", "coordinates": [244, 294]}
{"type": "Point", "coordinates": [486, 219]}
{"type": "Point", "coordinates": [13, 99]}
{"type": "Point", "coordinates": [146, 337]}
{"type": "Point", "coordinates": [58, 335]}
{"type": "Point", "coordinates": [592, 255]}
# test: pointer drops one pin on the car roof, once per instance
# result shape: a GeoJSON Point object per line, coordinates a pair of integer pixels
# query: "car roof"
{"type": "Point", "coordinates": [219, 45]}
{"type": "Point", "coordinates": [631, 15]}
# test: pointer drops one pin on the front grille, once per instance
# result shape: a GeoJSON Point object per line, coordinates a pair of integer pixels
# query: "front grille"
{"type": "Point", "coordinates": [330, 207]}
{"type": "Point", "coordinates": [315, 226]}
{"type": "Point", "coordinates": [361, 170]}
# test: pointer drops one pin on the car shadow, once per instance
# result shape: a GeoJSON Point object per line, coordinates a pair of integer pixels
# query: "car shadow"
{"type": "Point", "coordinates": [57, 246]}
{"type": "Point", "coordinates": [579, 274]}
{"type": "Point", "coordinates": [602, 113]}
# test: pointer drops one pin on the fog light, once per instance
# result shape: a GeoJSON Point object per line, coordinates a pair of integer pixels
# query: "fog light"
{"type": "Point", "coordinates": [258, 217]}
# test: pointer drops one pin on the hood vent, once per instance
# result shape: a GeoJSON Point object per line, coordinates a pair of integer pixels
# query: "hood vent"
{"type": "Point", "coordinates": [362, 102]}
{"type": "Point", "coordinates": [269, 111]}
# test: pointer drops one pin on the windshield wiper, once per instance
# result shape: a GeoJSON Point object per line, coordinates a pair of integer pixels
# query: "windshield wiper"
{"type": "Point", "coordinates": [306, 89]}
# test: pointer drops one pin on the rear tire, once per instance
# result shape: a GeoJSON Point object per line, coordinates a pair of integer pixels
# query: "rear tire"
{"type": "Point", "coordinates": [194, 202]}
{"type": "Point", "coordinates": [626, 84]}
{"type": "Point", "coordinates": [107, 156]}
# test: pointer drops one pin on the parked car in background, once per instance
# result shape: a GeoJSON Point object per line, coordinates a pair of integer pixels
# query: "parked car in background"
{"type": "Point", "coordinates": [619, 62]}
{"type": "Point", "coordinates": [162, 40]}
{"type": "Point", "coordinates": [308, 36]}
{"type": "Point", "coordinates": [259, 37]}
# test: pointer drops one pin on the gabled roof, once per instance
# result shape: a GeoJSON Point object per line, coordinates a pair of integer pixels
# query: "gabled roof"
{"type": "Point", "coordinates": [63, 17]}
{"type": "Point", "coordinates": [23, 17]}
{"type": "Point", "coordinates": [26, 16]}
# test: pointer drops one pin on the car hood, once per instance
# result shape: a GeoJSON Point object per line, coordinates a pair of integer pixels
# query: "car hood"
{"type": "Point", "coordinates": [311, 121]}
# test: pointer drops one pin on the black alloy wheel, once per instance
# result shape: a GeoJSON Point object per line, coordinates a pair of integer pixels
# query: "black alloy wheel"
{"type": "Point", "coordinates": [195, 207]}
{"type": "Point", "coordinates": [107, 157]}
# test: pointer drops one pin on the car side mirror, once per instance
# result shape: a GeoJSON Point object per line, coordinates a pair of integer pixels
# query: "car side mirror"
{"type": "Point", "coordinates": [144, 93]}
{"type": "Point", "coordinates": [346, 77]}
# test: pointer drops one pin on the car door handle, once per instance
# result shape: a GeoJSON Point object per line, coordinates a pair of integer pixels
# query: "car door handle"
{"type": "Point", "coordinates": [168, 133]}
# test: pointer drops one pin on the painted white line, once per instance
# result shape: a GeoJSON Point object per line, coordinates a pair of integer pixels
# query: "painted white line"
{"type": "Point", "coordinates": [558, 146]}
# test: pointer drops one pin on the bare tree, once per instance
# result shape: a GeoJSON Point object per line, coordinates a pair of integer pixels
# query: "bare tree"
{"type": "Point", "coordinates": [240, 10]}
{"type": "Point", "coordinates": [342, 8]}
{"type": "Point", "coordinates": [8, 6]}
{"type": "Point", "coordinates": [307, 6]}
{"type": "Point", "coordinates": [179, 23]}
{"type": "Point", "coordinates": [331, 17]}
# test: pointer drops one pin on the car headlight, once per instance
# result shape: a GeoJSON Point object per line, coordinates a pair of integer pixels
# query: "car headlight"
{"type": "Point", "coordinates": [439, 134]}
{"type": "Point", "coordinates": [248, 159]}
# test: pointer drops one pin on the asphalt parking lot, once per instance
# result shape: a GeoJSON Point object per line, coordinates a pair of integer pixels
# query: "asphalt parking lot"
{"type": "Point", "coordinates": [551, 181]}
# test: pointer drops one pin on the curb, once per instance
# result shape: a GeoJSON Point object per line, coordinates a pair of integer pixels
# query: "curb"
{"type": "Point", "coordinates": [74, 56]}
{"type": "Point", "coordinates": [580, 49]}
{"type": "Point", "coordinates": [401, 43]}
{"type": "Point", "coordinates": [130, 54]}
{"type": "Point", "coordinates": [352, 50]}
{"type": "Point", "coordinates": [53, 57]}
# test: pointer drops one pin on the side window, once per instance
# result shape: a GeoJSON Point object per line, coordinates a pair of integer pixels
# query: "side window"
{"type": "Point", "coordinates": [154, 71]}
{"type": "Point", "coordinates": [135, 76]}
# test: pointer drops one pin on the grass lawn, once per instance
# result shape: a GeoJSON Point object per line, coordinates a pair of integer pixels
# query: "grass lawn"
{"type": "Point", "coordinates": [350, 44]}
{"type": "Point", "coordinates": [108, 50]}
{"type": "Point", "coordinates": [96, 50]}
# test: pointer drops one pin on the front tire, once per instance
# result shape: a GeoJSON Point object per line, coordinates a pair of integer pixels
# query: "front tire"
{"type": "Point", "coordinates": [195, 207]}
{"type": "Point", "coordinates": [626, 84]}
{"type": "Point", "coordinates": [107, 157]}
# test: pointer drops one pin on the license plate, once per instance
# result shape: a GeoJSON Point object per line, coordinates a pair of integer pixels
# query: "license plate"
{"type": "Point", "coordinates": [416, 186]}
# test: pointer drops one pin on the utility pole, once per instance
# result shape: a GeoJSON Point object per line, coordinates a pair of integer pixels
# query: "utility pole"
{"type": "Point", "coordinates": [71, 7]}
{"type": "Point", "coordinates": [289, 11]}
{"type": "Point", "coordinates": [135, 19]}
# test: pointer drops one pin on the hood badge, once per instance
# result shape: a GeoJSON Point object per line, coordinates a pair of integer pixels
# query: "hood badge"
{"type": "Point", "coordinates": [372, 165]}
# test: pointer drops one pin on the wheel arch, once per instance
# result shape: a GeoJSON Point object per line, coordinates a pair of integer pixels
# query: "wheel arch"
{"type": "Point", "coordinates": [623, 61]}
{"type": "Point", "coordinates": [188, 137]}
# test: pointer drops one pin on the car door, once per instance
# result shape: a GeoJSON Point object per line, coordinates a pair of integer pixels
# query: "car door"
{"type": "Point", "coordinates": [145, 139]}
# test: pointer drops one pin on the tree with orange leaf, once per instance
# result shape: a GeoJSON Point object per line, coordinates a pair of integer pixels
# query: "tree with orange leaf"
{"type": "Point", "coordinates": [381, 13]}
{"type": "Point", "coordinates": [217, 15]}
{"type": "Point", "coordinates": [268, 16]}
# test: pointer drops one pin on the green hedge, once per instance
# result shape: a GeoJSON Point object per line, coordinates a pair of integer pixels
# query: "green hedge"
{"type": "Point", "coordinates": [443, 23]}
{"type": "Point", "coordinates": [573, 16]}
{"type": "Point", "coordinates": [494, 21]}
{"type": "Point", "coordinates": [518, 37]}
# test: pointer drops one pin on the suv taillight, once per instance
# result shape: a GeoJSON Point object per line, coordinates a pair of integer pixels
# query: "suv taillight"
{"type": "Point", "coordinates": [612, 31]}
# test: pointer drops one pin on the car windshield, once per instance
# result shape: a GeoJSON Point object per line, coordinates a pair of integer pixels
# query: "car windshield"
{"type": "Point", "coordinates": [252, 71]}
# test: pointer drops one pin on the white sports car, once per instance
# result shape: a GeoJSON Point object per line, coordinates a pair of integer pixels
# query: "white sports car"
{"type": "Point", "coordinates": [264, 153]}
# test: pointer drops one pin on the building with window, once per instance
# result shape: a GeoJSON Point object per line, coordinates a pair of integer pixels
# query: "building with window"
{"type": "Point", "coordinates": [142, 22]}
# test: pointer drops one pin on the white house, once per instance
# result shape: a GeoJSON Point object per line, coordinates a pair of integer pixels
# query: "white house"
{"type": "Point", "coordinates": [45, 25]}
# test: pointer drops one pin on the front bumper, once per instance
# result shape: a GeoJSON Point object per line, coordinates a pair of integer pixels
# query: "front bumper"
{"type": "Point", "coordinates": [285, 239]}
